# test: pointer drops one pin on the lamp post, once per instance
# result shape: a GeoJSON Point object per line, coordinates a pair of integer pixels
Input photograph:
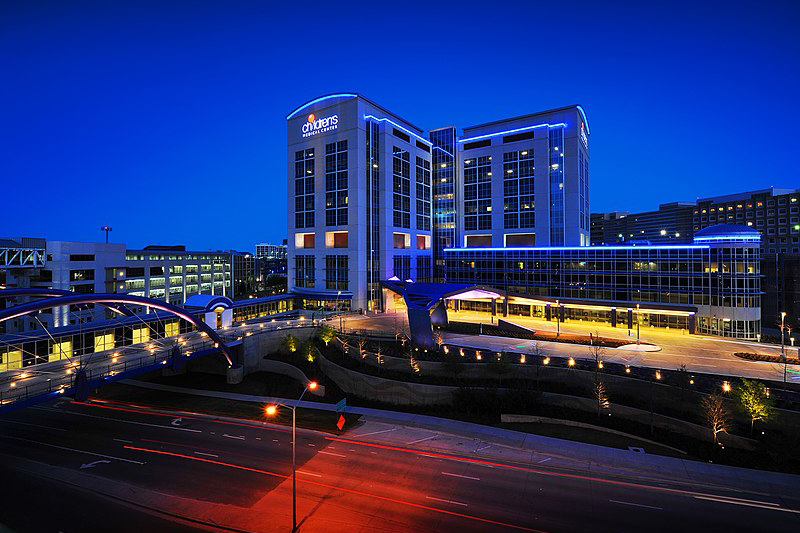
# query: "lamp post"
{"type": "Point", "coordinates": [783, 322]}
{"type": "Point", "coordinates": [271, 410]}
{"type": "Point", "coordinates": [558, 319]}
{"type": "Point", "coordinates": [637, 323]}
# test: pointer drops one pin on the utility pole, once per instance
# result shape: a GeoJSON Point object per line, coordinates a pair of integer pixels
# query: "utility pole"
{"type": "Point", "coordinates": [106, 229]}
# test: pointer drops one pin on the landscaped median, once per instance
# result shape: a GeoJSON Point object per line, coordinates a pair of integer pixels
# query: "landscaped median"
{"type": "Point", "coordinates": [666, 406]}
{"type": "Point", "coordinates": [750, 356]}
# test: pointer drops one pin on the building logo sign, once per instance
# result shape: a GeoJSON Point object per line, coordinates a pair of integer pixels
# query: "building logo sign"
{"type": "Point", "coordinates": [584, 138]}
{"type": "Point", "coordinates": [315, 126]}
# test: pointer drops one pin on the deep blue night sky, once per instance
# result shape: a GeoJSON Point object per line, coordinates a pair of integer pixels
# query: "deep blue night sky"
{"type": "Point", "coordinates": [168, 122]}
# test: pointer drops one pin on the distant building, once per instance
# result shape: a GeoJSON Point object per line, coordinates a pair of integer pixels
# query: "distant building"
{"type": "Point", "coordinates": [773, 212]}
{"type": "Point", "coordinates": [168, 273]}
{"type": "Point", "coordinates": [271, 251]}
{"type": "Point", "coordinates": [670, 223]}
{"type": "Point", "coordinates": [243, 266]}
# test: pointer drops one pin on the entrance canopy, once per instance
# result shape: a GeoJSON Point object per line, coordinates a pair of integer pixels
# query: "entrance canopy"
{"type": "Point", "coordinates": [427, 295]}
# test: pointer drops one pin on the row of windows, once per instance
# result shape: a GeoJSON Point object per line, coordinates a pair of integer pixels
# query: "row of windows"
{"type": "Point", "coordinates": [478, 193]}
{"type": "Point", "coordinates": [423, 175]}
{"type": "Point", "coordinates": [304, 188]}
{"type": "Point", "coordinates": [304, 266]}
{"type": "Point", "coordinates": [518, 189]}
{"type": "Point", "coordinates": [336, 184]}
{"type": "Point", "coordinates": [336, 272]}
{"type": "Point", "coordinates": [401, 187]}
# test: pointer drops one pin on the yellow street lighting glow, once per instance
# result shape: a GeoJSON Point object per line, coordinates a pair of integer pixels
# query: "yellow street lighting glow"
{"type": "Point", "coordinates": [726, 387]}
{"type": "Point", "coordinates": [571, 362]}
{"type": "Point", "coordinates": [271, 410]}
{"type": "Point", "coordinates": [546, 361]}
{"type": "Point", "coordinates": [627, 370]}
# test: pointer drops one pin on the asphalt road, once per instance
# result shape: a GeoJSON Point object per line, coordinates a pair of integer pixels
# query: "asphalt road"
{"type": "Point", "coordinates": [237, 474]}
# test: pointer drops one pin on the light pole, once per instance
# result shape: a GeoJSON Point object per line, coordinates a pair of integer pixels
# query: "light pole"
{"type": "Point", "coordinates": [558, 319]}
{"type": "Point", "coordinates": [637, 323]}
{"type": "Point", "coordinates": [783, 322]}
{"type": "Point", "coordinates": [271, 410]}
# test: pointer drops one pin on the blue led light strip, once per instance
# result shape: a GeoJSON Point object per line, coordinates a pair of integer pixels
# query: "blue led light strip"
{"type": "Point", "coordinates": [742, 238]}
{"type": "Point", "coordinates": [585, 120]}
{"type": "Point", "coordinates": [320, 99]}
{"type": "Point", "coordinates": [443, 150]}
{"type": "Point", "coordinates": [399, 127]}
{"type": "Point", "coordinates": [581, 248]}
{"type": "Point", "coordinates": [526, 128]}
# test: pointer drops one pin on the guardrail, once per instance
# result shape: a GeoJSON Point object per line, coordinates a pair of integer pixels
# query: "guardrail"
{"type": "Point", "coordinates": [105, 366]}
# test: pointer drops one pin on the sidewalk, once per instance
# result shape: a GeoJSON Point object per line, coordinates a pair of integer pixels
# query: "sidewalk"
{"type": "Point", "coordinates": [442, 435]}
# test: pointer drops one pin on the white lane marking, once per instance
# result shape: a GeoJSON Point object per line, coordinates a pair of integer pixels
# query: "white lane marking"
{"type": "Point", "coordinates": [748, 503]}
{"type": "Point", "coordinates": [308, 473]}
{"type": "Point", "coordinates": [422, 440]}
{"type": "Point", "coordinates": [637, 505]}
{"type": "Point", "coordinates": [544, 460]}
{"type": "Point", "coordinates": [331, 453]}
{"type": "Point", "coordinates": [130, 421]}
{"type": "Point", "coordinates": [375, 432]}
{"type": "Point", "coordinates": [237, 437]}
{"type": "Point", "coordinates": [448, 501]}
{"type": "Point", "coordinates": [206, 454]}
{"type": "Point", "coordinates": [487, 446]}
{"type": "Point", "coordinates": [312, 445]}
{"type": "Point", "coordinates": [94, 463]}
{"type": "Point", "coordinates": [176, 422]}
{"type": "Point", "coordinates": [274, 440]}
{"type": "Point", "coordinates": [74, 450]}
{"type": "Point", "coordinates": [125, 441]}
{"type": "Point", "coordinates": [459, 475]}
{"type": "Point", "coordinates": [34, 425]}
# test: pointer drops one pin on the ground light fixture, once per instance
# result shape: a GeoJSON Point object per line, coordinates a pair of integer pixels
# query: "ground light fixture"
{"type": "Point", "coordinates": [571, 362]}
{"type": "Point", "coordinates": [546, 361]}
{"type": "Point", "coordinates": [272, 410]}
{"type": "Point", "coordinates": [726, 386]}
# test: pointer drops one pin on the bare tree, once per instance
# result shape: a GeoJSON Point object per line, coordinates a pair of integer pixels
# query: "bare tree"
{"type": "Point", "coordinates": [438, 338]}
{"type": "Point", "coordinates": [683, 382]}
{"type": "Point", "coordinates": [378, 355]}
{"type": "Point", "coordinates": [601, 396]}
{"type": "Point", "coordinates": [361, 342]}
{"type": "Point", "coordinates": [536, 352]}
{"type": "Point", "coordinates": [596, 350]}
{"type": "Point", "coordinates": [717, 415]}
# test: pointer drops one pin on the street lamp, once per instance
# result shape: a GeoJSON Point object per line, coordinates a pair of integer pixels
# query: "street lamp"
{"type": "Point", "coordinates": [637, 323]}
{"type": "Point", "coordinates": [558, 319]}
{"type": "Point", "coordinates": [783, 322]}
{"type": "Point", "coordinates": [271, 410]}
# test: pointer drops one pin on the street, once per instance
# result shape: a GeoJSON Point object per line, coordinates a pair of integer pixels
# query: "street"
{"type": "Point", "coordinates": [376, 477]}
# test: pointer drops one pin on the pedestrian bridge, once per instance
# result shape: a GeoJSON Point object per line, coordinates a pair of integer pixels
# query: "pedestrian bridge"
{"type": "Point", "coordinates": [37, 366]}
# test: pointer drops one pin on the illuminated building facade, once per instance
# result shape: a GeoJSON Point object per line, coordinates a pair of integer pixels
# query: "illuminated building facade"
{"type": "Point", "coordinates": [710, 286]}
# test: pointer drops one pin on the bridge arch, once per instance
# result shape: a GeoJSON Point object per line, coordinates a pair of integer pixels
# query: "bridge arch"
{"type": "Point", "coordinates": [54, 293]}
{"type": "Point", "coordinates": [105, 299]}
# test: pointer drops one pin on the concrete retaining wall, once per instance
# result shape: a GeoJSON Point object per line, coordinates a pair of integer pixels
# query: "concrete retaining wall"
{"type": "Point", "coordinates": [409, 393]}
{"type": "Point", "coordinates": [386, 390]}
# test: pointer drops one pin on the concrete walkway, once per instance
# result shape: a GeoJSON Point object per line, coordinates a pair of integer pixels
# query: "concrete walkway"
{"type": "Point", "coordinates": [442, 435]}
